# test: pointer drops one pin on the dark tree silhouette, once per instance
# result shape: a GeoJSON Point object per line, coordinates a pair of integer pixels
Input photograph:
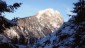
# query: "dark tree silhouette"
{"type": "Point", "coordinates": [4, 7]}
{"type": "Point", "coordinates": [79, 9]}
{"type": "Point", "coordinates": [5, 23]}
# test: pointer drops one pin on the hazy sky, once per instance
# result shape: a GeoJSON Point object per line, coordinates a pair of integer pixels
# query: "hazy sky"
{"type": "Point", "coordinates": [31, 7]}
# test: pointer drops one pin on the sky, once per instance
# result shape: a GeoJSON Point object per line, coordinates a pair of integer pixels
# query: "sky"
{"type": "Point", "coordinates": [31, 7]}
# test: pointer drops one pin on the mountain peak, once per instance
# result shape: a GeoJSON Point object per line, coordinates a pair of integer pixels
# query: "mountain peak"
{"type": "Point", "coordinates": [48, 12]}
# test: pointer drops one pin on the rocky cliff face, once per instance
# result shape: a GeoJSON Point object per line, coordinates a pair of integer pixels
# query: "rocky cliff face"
{"type": "Point", "coordinates": [29, 29]}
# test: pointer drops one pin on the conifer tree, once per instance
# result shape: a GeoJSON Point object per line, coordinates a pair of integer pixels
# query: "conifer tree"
{"type": "Point", "coordinates": [4, 7]}
{"type": "Point", "coordinates": [79, 9]}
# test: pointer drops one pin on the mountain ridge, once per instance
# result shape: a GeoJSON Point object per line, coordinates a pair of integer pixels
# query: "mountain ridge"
{"type": "Point", "coordinates": [33, 28]}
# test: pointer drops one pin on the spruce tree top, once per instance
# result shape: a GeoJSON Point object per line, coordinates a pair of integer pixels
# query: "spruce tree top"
{"type": "Point", "coordinates": [79, 9]}
{"type": "Point", "coordinates": [4, 7]}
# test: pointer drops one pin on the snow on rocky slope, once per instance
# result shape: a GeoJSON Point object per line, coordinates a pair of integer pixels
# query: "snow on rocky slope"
{"type": "Point", "coordinates": [35, 27]}
{"type": "Point", "coordinates": [69, 35]}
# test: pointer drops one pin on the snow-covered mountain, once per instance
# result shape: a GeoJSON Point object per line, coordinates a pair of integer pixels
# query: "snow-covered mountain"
{"type": "Point", "coordinates": [69, 35]}
{"type": "Point", "coordinates": [29, 29]}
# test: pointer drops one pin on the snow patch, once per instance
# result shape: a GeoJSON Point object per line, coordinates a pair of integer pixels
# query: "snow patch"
{"type": "Point", "coordinates": [11, 33]}
{"type": "Point", "coordinates": [3, 39]}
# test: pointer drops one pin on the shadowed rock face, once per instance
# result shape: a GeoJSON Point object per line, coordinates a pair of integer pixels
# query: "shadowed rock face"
{"type": "Point", "coordinates": [35, 27]}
